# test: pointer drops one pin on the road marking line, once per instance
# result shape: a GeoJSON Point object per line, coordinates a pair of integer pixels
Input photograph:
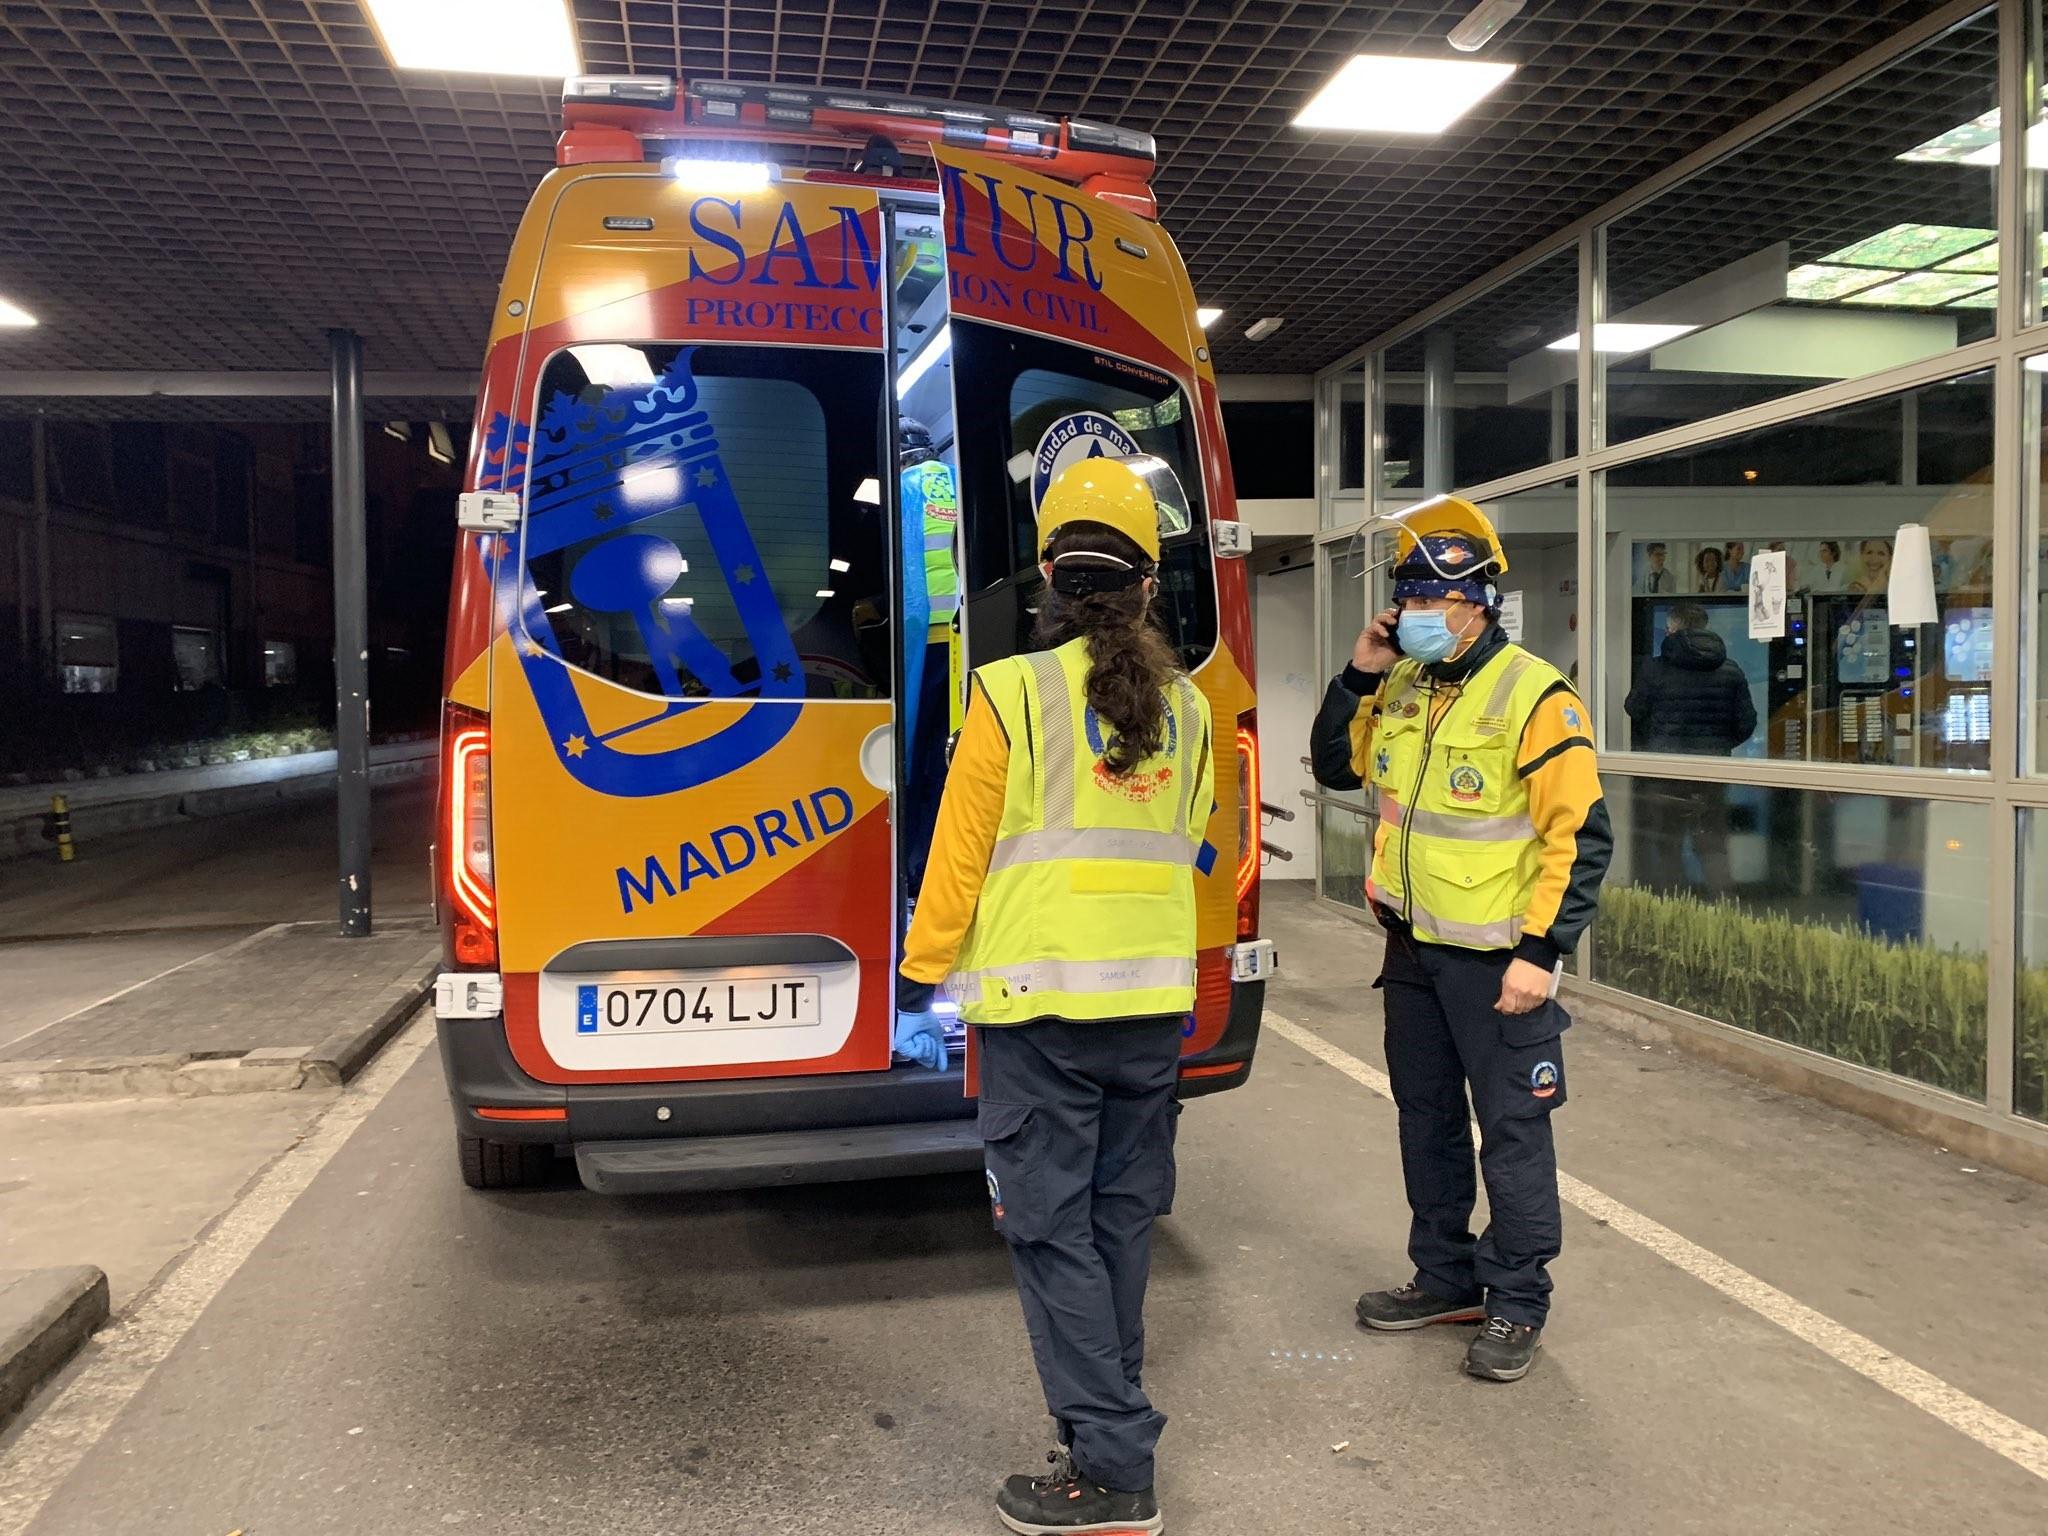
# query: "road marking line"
{"type": "Point", "coordinates": [120, 1360]}
{"type": "Point", "coordinates": [229, 948]}
{"type": "Point", "coordinates": [2019, 1444]}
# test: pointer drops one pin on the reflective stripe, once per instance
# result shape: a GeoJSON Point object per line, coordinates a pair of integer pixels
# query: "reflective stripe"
{"type": "Point", "coordinates": [1189, 716]}
{"type": "Point", "coordinates": [1503, 690]}
{"type": "Point", "coordinates": [933, 542]}
{"type": "Point", "coordinates": [1092, 978]}
{"type": "Point", "coordinates": [1392, 813]}
{"type": "Point", "coordinates": [945, 602]}
{"type": "Point", "coordinates": [1505, 934]}
{"type": "Point", "coordinates": [1056, 722]}
{"type": "Point", "coordinates": [1470, 829]}
{"type": "Point", "coordinates": [1092, 843]}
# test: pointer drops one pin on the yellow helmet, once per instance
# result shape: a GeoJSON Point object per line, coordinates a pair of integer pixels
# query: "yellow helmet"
{"type": "Point", "coordinates": [1446, 547]}
{"type": "Point", "coordinates": [1106, 491]}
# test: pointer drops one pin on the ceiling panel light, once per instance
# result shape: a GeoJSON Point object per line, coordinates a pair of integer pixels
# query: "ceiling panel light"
{"type": "Point", "coordinates": [478, 37]}
{"type": "Point", "coordinates": [1480, 28]}
{"type": "Point", "coordinates": [1206, 317]}
{"type": "Point", "coordinates": [1259, 330]}
{"type": "Point", "coordinates": [1380, 93]}
{"type": "Point", "coordinates": [1907, 247]}
{"type": "Point", "coordinates": [1819, 283]}
{"type": "Point", "coordinates": [613, 364]}
{"type": "Point", "coordinates": [1621, 336]}
{"type": "Point", "coordinates": [1921, 290]}
{"type": "Point", "coordinates": [869, 491]}
{"type": "Point", "coordinates": [14, 316]}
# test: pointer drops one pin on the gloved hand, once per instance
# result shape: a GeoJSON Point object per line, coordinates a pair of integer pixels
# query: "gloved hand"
{"type": "Point", "coordinates": [920, 1039]}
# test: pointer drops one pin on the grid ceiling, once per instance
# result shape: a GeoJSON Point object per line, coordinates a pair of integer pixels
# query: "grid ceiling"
{"type": "Point", "coordinates": [210, 183]}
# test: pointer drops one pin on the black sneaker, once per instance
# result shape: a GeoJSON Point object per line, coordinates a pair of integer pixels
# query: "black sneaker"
{"type": "Point", "coordinates": [1410, 1306]}
{"type": "Point", "coordinates": [1063, 1501]}
{"type": "Point", "coordinates": [1504, 1351]}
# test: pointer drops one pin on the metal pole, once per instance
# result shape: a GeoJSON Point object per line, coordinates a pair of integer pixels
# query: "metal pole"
{"type": "Point", "coordinates": [39, 472]}
{"type": "Point", "coordinates": [1439, 386]}
{"type": "Point", "coordinates": [351, 634]}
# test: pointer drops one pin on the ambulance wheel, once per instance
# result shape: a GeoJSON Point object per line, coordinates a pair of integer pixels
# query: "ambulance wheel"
{"type": "Point", "coordinates": [503, 1164]}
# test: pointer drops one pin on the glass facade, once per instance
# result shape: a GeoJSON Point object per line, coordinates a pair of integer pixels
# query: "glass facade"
{"type": "Point", "coordinates": [1858, 237]}
{"type": "Point", "coordinates": [1852, 925]}
{"type": "Point", "coordinates": [1842, 681]}
{"type": "Point", "coordinates": [1830, 803]}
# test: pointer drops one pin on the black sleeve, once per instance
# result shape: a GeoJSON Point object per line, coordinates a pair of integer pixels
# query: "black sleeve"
{"type": "Point", "coordinates": [1637, 705]}
{"type": "Point", "coordinates": [1745, 707]}
{"type": "Point", "coordinates": [1329, 740]}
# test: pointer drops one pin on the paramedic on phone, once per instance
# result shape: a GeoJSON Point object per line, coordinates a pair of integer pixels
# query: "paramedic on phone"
{"type": "Point", "coordinates": [1493, 839]}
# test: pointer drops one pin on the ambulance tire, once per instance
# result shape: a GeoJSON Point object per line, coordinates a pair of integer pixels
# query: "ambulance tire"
{"type": "Point", "coordinates": [503, 1164]}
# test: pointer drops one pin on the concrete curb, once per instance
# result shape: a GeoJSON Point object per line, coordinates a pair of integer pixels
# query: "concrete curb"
{"type": "Point", "coordinates": [45, 1314]}
{"type": "Point", "coordinates": [78, 1080]}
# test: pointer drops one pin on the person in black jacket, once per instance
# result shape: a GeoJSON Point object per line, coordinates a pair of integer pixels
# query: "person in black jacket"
{"type": "Point", "coordinates": [1690, 698]}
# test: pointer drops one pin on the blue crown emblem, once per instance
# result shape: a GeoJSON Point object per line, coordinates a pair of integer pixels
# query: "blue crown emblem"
{"type": "Point", "coordinates": [575, 465]}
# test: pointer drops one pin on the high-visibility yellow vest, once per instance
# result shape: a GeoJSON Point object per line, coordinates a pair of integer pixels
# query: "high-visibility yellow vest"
{"type": "Point", "coordinates": [933, 485]}
{"type": "Point", "coordinates": [1457, 856]}
{"type": "Point", "coordinates": [1088, 911]}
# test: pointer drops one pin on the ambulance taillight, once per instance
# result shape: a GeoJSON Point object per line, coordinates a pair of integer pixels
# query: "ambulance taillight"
{"type": "Point", "coordinates": [466, 826]}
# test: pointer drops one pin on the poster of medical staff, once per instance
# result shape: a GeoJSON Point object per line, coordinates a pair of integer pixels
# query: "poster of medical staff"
{"type": "Point", "coordinates": [1860, 565]}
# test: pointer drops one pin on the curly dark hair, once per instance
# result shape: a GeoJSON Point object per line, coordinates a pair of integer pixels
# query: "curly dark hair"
{"type": "Point", "coordinates": [1130, 664]}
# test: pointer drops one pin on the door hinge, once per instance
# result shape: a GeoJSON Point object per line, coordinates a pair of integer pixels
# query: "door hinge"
{"type": "Point", "coordinates": [469, 995]}
{"type": "Point", "coordinates": [487, 511]}
{"type": "Point", "coordinates": [1231, 540]}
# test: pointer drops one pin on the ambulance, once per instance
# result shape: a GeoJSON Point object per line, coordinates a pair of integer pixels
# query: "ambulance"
{"type": "Point", "coordinates": [675, 850]}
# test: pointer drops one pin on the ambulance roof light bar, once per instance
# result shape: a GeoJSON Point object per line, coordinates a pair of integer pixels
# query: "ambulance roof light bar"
{"type": "Point", "coordinates": [611, 118]}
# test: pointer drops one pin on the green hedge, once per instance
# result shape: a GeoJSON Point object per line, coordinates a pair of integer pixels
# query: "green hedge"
{"type": "Point", "coordinates": [1914, 1011]}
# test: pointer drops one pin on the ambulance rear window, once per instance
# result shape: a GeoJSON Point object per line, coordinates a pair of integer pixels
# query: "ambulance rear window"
{"type": "Point", "coordinates": [1062, 402]}
{"type": "Point", "coordinates": [674, 489]}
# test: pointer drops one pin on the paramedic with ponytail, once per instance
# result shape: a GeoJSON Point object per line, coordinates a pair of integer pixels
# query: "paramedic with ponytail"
{"type": "Point", "coordinates": [1059, 900]}
{"type": "Point", "coordinates": [1493, 840]}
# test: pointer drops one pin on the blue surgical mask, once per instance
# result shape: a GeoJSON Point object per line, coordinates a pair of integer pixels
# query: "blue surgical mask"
{"type": "Point", "coordinates": [1425, 636]}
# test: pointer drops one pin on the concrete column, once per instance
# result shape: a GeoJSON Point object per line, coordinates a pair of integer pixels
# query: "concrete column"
{"type": "Point", "coordinates": [39, 470]}
{"type": "Point", "coordinates": [1439, 391]}
{"type": "Point", "coordinates": [351, 633]}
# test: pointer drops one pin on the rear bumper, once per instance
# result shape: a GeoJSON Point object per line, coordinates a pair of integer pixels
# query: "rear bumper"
{"type": "Point", "coordinates": [1228, 1063]}
{"type": "Point", "coordinates": [782, 1157]}
{"type": "Point", "coordinates": [644, 1137]}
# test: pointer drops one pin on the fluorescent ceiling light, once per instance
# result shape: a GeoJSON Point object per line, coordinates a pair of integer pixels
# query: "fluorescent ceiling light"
{"type": "Point", "coordinates": [1908, 247]}
{"type": "Point", "coordinates": [869, 491]}
{"type": "Point", "coordinates": [1820, 283]}
{"type": "Point", "coordinates": [614, 365]}
{"type": "Point", "coordinates": [1622, 336]}
{"type": "Point", "coordinates": [1206, 317]}
{"type": "Point", "coordinates": [1976, 143]}
{"type": "Point", "coordinates": [13, 315]}
{"type": "Point", "coordinates": [558, 608]}
{"type": "Point", "coordinates": [735, 178]}
{"type": "Point", "coordinates": [478, 37]}
{"type": "Point", "coordinates": [1379, 93]}
{"type": "Point", "coordinates": [1259, 330]}
{"type": "Point", "coordinates": [1921, 290]}
{"type": "Point", "coordinates": [824, 592]}
{"type": "Point", "coordinates": [840, 565]}
{"type": "Point", "coordinates": [440, 443]}
{"type": "Point", "coordinates": [1478, 29]}
{"type": "Point", "coordinates": [922, 364]}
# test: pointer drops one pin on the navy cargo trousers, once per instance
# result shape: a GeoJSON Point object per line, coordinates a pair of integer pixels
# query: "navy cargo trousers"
{"type": "Point", "coordinates": [1078, 1121]}
{"type": "Point", "coordinates": [1445, 1038]}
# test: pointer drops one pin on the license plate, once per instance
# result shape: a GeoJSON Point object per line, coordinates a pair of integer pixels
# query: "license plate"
{"type": "Point", "coordinates": [676, 1007]}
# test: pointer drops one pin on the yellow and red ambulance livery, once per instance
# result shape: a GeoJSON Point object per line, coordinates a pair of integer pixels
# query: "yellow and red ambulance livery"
{"type": "Point", "coordinates": [673, 862]}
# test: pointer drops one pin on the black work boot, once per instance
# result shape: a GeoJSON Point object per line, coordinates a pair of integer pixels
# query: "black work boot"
{"type": "Point", "coordinates": [1063, 1501]}
{"type": "Point", "coordinates": [1503, 1351]}
{"type": "Point", "coordinates": [1410, 1306]}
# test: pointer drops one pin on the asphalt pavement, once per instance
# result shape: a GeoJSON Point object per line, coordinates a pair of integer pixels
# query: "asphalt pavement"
{"type": "Point", "coordinates": [363, 1345]}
